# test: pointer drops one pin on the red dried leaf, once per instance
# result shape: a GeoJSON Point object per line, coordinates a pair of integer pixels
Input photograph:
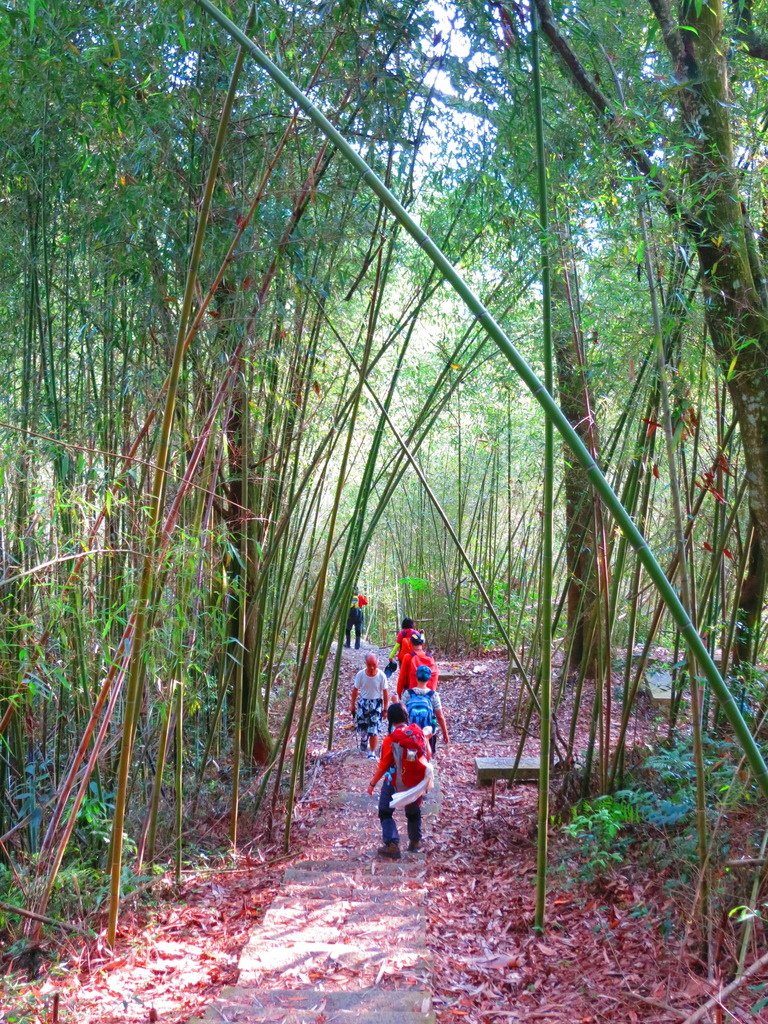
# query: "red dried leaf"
{"type": "Point", "coordinates": [717, 496]}
{"type": "Point", "coordinates": [652, 427]}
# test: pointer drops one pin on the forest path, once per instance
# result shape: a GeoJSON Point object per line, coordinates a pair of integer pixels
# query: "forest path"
{"type": "Point", "coordinates": [345, 939]}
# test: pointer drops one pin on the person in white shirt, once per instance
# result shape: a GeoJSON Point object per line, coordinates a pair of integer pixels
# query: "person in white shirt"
{"type": "Point", "coordinates": [370, 698]}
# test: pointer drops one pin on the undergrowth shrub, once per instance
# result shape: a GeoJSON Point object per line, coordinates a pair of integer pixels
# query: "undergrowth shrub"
{"type": "Point", "coordinates": [657, 807]}
{"type": "Point", "coordinates": [597, 826]}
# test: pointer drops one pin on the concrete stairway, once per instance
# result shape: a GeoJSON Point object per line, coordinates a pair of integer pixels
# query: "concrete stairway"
{"type": "Point", "coordinates": [345, 940]}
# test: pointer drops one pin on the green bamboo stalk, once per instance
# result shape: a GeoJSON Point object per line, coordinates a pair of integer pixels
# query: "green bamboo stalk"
{"type": "Point", "coordinates": [545, 605]}
{"type": "Point", "coordinates": [532, 382]}
{"type": "Point", "coordinates": [685, 583]}
{"type": "Point", "coordinates": [179, 778]}
{"type": "Point", "coordinates": [157, 787]}
{"type": "Point", "coordinates": [238, 725]}
{"type": "Point", "coordinates": [146, 586]}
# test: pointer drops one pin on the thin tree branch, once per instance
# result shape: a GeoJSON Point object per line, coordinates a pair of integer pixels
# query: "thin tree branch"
{"type": "Point", "coordinates": [616, 124]}
{"type": "Point", "coordinates": [717, 999]}
{"type": "Point", "coordinates": [42, 919]}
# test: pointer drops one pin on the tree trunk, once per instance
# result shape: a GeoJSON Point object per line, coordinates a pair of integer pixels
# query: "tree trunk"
{"type": "Point", "coordinates": [581, 560]}
{"type": "Point", "coordinates": [733, 276]}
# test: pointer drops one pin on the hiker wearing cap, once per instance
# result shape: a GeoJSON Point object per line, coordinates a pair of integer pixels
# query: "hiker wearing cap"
{"type": "Point", "coordinates": [407, 677]}
{"type": "Point", "coordinates": [425, 707]}
{"type": "Point", "coordinates": [403, 765]}
{"type": "Point", "coordinates": [355, 619]}
{"type": "Point", "coordinates": [370, 698]}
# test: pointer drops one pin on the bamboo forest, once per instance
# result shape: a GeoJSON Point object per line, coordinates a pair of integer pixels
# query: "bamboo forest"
{"type": "Point", "coordinates": [383, 511]}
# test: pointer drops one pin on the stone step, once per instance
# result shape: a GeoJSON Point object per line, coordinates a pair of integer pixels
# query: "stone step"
{"type": "Point", "coordinates": [366, 863]}
{"type": "Point", "coordinates": [225, 1014]}
{"type": "Point", "coordinates": [300, 959]}
{"type": "Point", "coordinates": [413, 1000]}
{"type": "Point", "coordinates": [324, 921]}
{"type": "Point", "coordinates": [350, 885]}
{"type": "Point", "coordinates": [325, 910]}
{"type": "Point", "coordinates": [297, 890]}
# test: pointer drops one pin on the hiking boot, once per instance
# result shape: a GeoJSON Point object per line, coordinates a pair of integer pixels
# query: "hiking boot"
{"type": "Point", "coordinates": [357, 646]}
{"type": "Point", "coordinates": [414, 846]}
{"type": "Point", "coordinates": [390, 850]}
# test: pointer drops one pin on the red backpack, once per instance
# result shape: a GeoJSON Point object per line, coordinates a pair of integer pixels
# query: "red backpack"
{"type": "Point", "coordinates": [410, 751]}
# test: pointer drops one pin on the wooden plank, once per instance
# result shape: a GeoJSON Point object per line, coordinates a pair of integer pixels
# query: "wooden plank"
{"type": "Point", "coordinates": [659, 686]}
{"type": "Point", "coordinates": [490, 768]}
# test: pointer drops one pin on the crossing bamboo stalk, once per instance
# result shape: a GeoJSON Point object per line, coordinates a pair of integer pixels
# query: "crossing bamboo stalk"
{"type": "Point", "coordinates": [529, 378]}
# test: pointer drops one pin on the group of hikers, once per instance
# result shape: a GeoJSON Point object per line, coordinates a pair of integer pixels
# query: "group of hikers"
{"type": "Point", "coordinates": [413, 714]}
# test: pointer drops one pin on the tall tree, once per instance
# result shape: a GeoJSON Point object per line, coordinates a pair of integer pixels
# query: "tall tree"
{"type": "Point", "coordinates": [699, 183]}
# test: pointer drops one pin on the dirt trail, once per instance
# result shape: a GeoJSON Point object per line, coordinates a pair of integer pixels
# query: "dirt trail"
{"type": "Point", "coordinates": [345, 939]}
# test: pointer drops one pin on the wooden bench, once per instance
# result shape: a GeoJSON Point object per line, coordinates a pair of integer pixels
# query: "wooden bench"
{"type": "Point", "coordinates": [490, 770]}
{"type": "Point", "coordinates": [659, 686]}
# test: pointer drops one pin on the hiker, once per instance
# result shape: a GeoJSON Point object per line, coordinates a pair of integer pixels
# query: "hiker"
{"type": "Point", "coordinates": [425, 707]}
{"type": "Point", "coordinates": [402, 646]}
{"type": "Point", "coordinates": [370, 698]}
{"type": "Point", "coordinates": [355, 618]}
{"type": "Point", "coordinates": [407, 677]}
{"type": "Point", "coordinates": [403, 765]}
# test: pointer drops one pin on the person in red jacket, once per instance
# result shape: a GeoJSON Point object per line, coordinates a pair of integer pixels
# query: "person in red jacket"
{"type": "Point", "coordinates": [406, 678]}
{"type": "Point", "coordinates": [387, 769]}
{"type": "Point", "coordinates": [402, 646]}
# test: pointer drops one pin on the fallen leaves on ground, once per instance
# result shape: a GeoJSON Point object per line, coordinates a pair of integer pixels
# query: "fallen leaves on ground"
{"type": "Point", "coordinates": [605, 956]}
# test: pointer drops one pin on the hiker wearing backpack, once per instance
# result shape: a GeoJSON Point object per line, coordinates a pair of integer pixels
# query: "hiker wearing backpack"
{"type": "Point", "coordinates": [406, 680]}
{"type": "Point", "coordinates": [355, 619]}
{"type": "Point", "coordinates": [370, 698]}
{"type": "Point", "coordinates": [425, 707]}
{"type": "Point", "coordinates": [403, 764]}
{"type": "Point", "coordinates": [402, 647]}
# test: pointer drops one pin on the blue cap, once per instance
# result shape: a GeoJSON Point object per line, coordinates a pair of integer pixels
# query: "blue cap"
{"type": "Point", "coordinates": [423, 673]}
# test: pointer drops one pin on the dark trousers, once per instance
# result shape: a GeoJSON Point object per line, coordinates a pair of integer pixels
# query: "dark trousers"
{"type": "Point", "coordinates": [388, 825]}
{"type": "Point", "coordinates": [355, 618]}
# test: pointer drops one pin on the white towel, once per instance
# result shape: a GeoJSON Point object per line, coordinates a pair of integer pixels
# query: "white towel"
{"type": "Point", "coordinates": [408, 796]}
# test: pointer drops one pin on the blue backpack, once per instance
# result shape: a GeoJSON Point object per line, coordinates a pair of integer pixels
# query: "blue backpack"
{"type": "Point", "coordinates": [421, 710]}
